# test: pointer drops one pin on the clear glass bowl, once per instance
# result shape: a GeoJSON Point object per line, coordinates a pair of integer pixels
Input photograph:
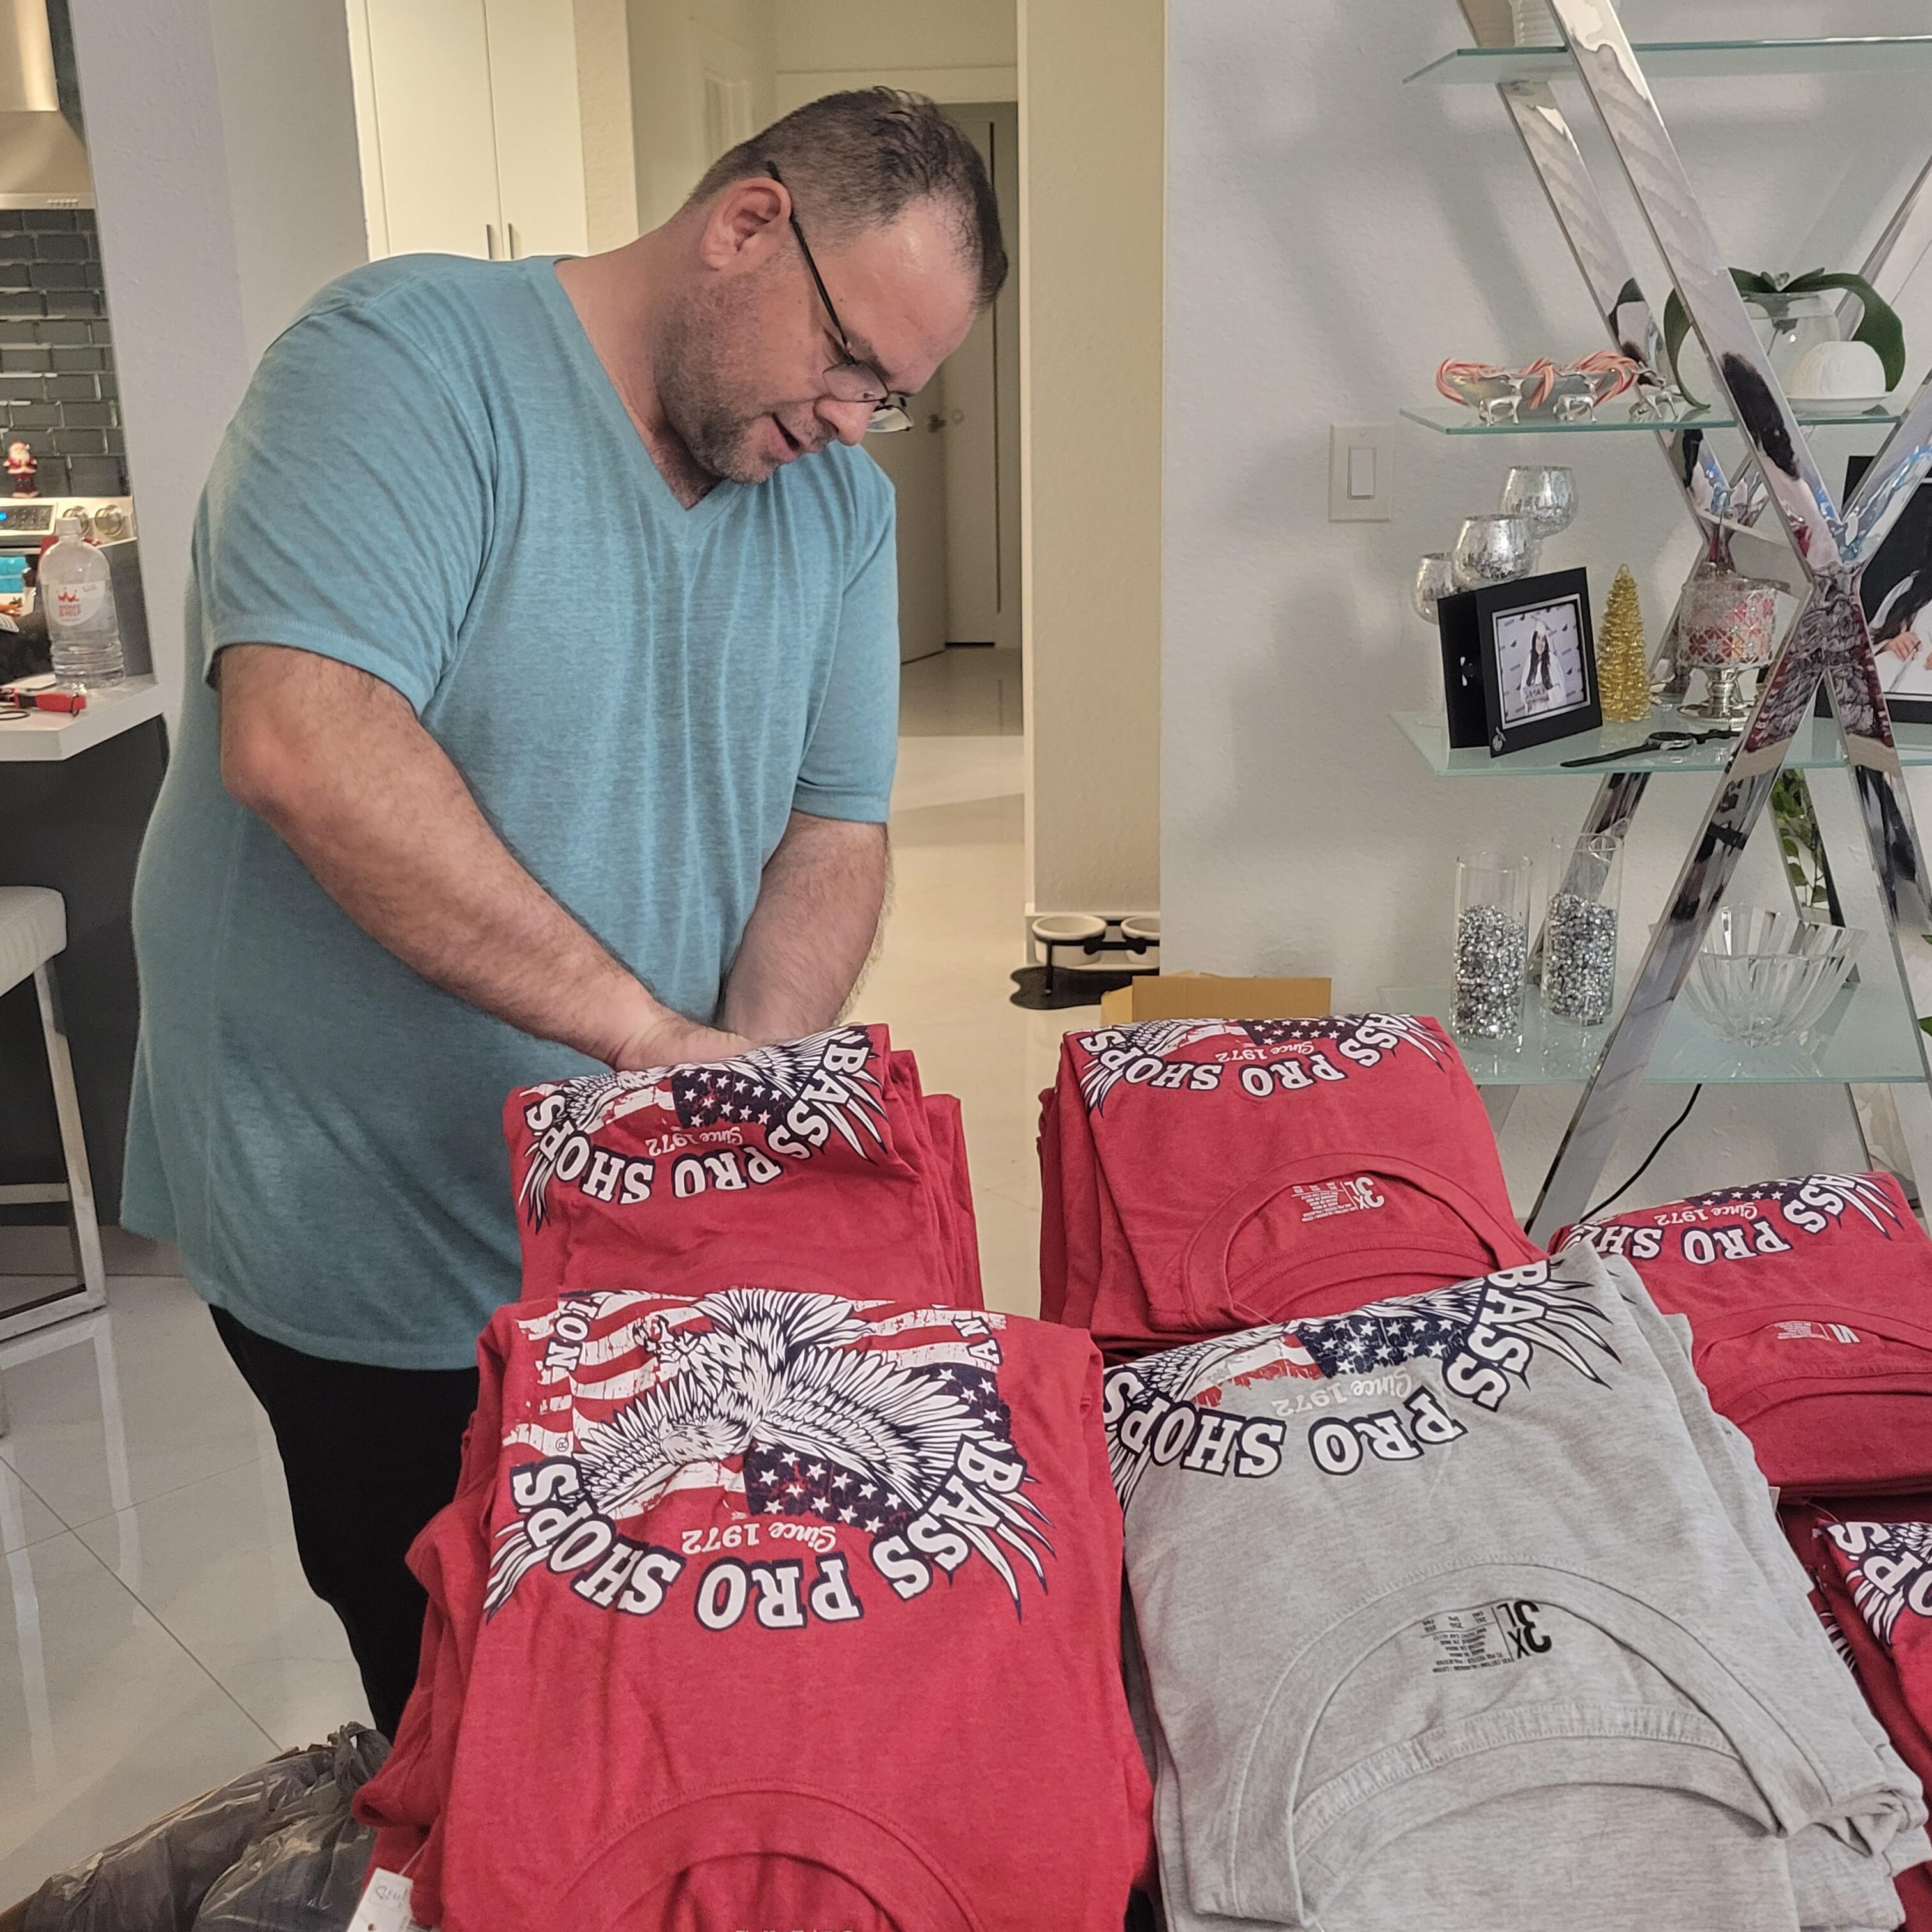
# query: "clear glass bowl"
{"type": "Point", "coordinates": [1764, 977]}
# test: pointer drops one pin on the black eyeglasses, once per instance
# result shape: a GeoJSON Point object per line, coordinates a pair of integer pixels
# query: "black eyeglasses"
{"type": "Point", "coordinates": [850, 380]}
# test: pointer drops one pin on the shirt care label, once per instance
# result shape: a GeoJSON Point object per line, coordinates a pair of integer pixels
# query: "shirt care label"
{"type": "Point", "coordinates": [1816, 1331]}
{"type": "Point", "coordinates": [1482, 1637]}
{"type": "Point", "coordinates": [384, 1905]}
{"type": "Point", "coordinates": [1322, 1198]}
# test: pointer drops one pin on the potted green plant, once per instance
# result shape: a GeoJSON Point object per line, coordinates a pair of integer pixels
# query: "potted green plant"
{"type": "Point", "coordinates": [1800, 317]}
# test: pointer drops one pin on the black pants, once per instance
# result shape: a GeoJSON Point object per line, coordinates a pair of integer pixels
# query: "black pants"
{"type": "Point", "coordinates": [370, 1455]}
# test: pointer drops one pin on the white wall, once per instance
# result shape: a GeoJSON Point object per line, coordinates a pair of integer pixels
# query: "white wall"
{"type": "Point", "coordinates": [1333, 235]}
{"type": "Point", "coordinates": [603, 33]}
{"type": "Point", "coordinates": [222, 136]}
{"type": "Point", "coordinates": [672, 43]}
{"type": "Point", "coordinates": [1090, 260]}
{"type": "Point", "coordinates": [962, 50]}
{"type": "Point", "coordinates": [291, 148]}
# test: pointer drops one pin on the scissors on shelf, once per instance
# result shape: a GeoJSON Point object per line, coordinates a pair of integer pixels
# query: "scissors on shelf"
{"type": "Point", "coordinates": [1658, 741]}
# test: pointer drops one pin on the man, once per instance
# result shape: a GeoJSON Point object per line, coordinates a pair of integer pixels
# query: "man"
{"type": "Point", "coordinates": [548, 616]}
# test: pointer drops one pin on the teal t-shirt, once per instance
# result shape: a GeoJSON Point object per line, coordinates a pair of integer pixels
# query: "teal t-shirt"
{"type": "Point", "coordinates": [432, 478]}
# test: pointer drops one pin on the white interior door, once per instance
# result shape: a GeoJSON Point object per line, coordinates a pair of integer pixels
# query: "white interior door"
{"type": "Point", "coordinates": [539, 126]}
{"type": "Point", "coordinates": [915, 460]}
{"type": "Point", "coordinates": [429, 64]}
{"type": "Point", "coordinates": [980, 401]}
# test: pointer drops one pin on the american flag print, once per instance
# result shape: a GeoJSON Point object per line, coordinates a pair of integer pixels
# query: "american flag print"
{"type": "Point", "coordinates": [1518, 1316]}
{"type": "Point", "coordinates": [830, 1084]}
{"type": "Point", "coordinates": [783, 1481]}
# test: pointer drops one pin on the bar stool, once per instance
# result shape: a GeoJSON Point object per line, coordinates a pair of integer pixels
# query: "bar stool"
{"type": "Point", "coordinates": [33, 932]}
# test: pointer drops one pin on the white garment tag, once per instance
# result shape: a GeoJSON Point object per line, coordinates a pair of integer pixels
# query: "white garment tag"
{"type": "Point", "coordinates": [384, 1905]}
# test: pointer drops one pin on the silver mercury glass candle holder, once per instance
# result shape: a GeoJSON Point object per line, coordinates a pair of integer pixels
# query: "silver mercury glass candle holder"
{"type": "Point", "coordinates": [1493, 550]}
{"type": "Point", "coordinates": [1544, 494]}
{"type": "Point", "coordinates": [1434, 578]}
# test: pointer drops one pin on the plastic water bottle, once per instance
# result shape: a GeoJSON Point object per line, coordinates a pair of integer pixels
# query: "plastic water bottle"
{"type": "Point", "coordinates": [83, 627]}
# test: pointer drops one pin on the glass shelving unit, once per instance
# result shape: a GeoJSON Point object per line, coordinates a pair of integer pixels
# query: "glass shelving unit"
{"type": "Point", "coordinates": [1691, 60]}
{"type": "Point", "coordinates": [1870, 1041]}
{"type": "Point", "coordinates": [1865, 1038]}
{"type": "Point", "coordinates": [1452, 419]}
{"type": "Point", "coordinates": [1817, 747]}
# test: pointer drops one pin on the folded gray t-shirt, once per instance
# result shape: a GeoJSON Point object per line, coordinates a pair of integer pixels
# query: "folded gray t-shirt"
{"type": "Point", "coordinates": [1402, 1574]}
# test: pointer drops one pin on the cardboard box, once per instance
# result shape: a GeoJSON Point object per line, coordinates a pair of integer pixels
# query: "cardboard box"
{"type": "Point", "coordinates": [1208, 996]}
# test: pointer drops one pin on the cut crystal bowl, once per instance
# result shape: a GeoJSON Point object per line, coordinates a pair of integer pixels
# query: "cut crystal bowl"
{"type": "Point", "coordinates": [1763, 976]}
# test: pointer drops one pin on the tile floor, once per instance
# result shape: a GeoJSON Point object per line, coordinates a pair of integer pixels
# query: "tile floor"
{"type": "Point", "coordinates": [156, 1635]}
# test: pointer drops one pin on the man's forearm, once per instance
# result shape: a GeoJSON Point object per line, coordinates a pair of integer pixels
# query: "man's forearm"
{"type": "Point", "coordinates": [811, 931]}
{"type": "Point", "coordinates": [337, 764]}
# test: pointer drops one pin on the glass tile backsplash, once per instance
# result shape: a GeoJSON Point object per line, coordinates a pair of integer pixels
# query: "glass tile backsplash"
{"type": "Point", "coordinates": [57, 382]}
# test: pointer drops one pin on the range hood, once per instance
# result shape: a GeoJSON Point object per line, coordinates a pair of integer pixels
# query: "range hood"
{"type": "Point", "coordinates": [43, 158]}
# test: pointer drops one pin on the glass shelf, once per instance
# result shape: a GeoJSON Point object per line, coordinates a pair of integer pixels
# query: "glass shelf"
{"type": "Point", "coordinates": [1865, 1036]}
{"type": "Point", "coordinates": [1452, 419]}
{"type": "Point", "coordinates": [1817, 746]}
{"type": "Point", "coordinates": [1663, 60]}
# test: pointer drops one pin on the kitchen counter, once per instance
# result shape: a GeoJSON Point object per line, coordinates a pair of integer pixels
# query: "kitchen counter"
{"type": "Point", "coordinates": [74, 816]}
{"type": "Point", "coordinates": [56, 734]}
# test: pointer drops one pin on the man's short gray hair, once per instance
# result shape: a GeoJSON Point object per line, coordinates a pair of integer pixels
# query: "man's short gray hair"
{"type": "Point", "coordinates": [857, 161]}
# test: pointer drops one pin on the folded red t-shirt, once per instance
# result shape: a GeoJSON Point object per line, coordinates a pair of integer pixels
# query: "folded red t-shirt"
{"type": "Point", "coordinates": [685, 1178]}
{"type": "Point", "coordinates": [778, 1602]}
{"type": "Point", "coordinates": [1871, 1571]}
{"type": "Point", "coordinates": [1216, 1174]}
{"type": "Point", "coordinates": [946, 1128]}
{"type": "Point", "coordinates": [1810, 1307]}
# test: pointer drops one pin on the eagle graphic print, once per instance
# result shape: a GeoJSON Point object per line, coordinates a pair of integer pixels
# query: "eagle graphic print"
{"type": "Point", "coordinates": [834, 1446]}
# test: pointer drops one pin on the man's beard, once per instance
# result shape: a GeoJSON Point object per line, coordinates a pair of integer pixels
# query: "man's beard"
{"type": "Point", "coordinates": [691, 366]}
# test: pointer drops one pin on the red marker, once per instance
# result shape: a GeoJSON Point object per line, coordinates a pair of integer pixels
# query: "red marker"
{"type": "Point", "coordinates": [43, 700]}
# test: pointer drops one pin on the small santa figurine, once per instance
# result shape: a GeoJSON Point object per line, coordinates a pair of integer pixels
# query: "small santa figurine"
{"type": "Point", "coordinates": [23, 469]}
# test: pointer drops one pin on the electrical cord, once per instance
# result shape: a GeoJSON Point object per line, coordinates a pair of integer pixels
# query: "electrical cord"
{"type": "Point", "coordinates": [1610, 1201]}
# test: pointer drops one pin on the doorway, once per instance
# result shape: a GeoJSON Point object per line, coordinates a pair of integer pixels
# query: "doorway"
{"type": "Point", "coordinates": [957, 471]}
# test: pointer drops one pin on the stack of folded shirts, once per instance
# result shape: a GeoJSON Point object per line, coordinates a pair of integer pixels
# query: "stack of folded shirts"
{"type": "Point", "coordinates": [771, 1607]}
{"type": "Point", "coordinates": [1200, 1176]}
{"type": "Point", "coordinates": [1808, 1304]}
{"type": "Point", "coordinates": [823, 1151]}
{"type": "Point", "coordinates": [1811, 1302]}
{"type": "Point", "coordinates": [1465, 1610]}
{"type": "Point", "coordinates": [1869, 1568]}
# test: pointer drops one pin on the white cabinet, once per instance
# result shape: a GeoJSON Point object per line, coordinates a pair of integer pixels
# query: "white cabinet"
{"type": "Point", "coordinates": [472, 138]}
{"type": "Point", "coordinates": [539, 128]}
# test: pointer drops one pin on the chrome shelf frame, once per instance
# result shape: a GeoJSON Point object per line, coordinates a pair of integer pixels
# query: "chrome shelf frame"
{"type": "Point", "coordinates": [1829, 545]}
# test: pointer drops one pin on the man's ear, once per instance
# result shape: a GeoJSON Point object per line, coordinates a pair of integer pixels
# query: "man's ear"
{"type": "Point", "coordinates": [745, 225]}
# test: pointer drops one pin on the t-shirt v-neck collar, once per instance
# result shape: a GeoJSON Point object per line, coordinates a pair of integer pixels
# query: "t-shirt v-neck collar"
{"type": "Point", "coordinates": [684, 519]}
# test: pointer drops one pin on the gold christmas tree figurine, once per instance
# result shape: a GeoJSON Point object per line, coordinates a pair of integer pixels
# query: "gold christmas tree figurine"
{"type": "Point", "coordinates": [1623, 665]}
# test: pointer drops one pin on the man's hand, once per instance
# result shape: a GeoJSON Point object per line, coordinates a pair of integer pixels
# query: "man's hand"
{"type": "Point", "coordinates": [674, 1041]}
{"type": "Point", "coordinates": [811, 932]}
{"type": "Point", "coordinates": [335, 761]}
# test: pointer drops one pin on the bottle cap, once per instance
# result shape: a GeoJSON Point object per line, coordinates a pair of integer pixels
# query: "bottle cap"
{"type": "Point", "coordinates": [70, 524]}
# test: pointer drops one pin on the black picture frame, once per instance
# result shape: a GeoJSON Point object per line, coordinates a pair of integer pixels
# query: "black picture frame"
{"type": "Point", "coordinates": [1899, 575]}
{"type": "Point", "coordinates": [1491, 687]}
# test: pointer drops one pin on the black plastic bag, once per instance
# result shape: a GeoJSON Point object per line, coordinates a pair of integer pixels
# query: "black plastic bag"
{"type": "Point", "coordinates": [280, 1834]}
{"type": "Point", "coordinates": [306, 1873]}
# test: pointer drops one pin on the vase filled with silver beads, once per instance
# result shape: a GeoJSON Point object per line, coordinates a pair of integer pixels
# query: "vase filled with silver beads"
{"type": "Point", "coordinates": [1492, 946]}
{"type": "Point", "coordinates": [1580, 931]}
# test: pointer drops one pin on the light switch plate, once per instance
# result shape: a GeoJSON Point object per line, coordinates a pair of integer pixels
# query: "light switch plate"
{"type": "Point", "coordinates": [1361, 456]}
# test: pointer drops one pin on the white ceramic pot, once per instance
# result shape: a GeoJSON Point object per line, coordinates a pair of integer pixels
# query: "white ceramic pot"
{"type": "Point", "coordinates": [1832, 372]}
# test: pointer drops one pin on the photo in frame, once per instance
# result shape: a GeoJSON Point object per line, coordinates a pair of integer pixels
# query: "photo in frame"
{"type": "Point", "coordinates": [1897, 593]}
{"type": "Point", "coordinates": [1520, 662]}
